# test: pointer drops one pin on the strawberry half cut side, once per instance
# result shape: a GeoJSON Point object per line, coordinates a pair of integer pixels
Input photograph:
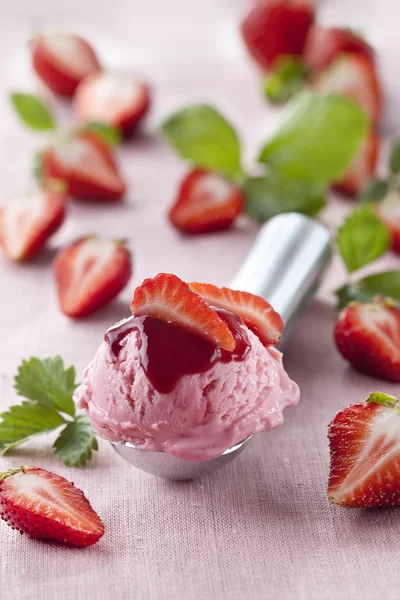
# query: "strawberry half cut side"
{"type": "Point", "coordinates": [256, 312]}
{"type": "Point", "coordinates": [46, 506]}
{"type": "Point", "coordinates": [168, 298]}
{"type": "Point", "coordinates": [365, 454]}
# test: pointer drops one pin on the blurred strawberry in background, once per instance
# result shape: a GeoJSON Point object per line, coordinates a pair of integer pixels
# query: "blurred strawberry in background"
{"type": "Point", "coordinates": [323, 44]}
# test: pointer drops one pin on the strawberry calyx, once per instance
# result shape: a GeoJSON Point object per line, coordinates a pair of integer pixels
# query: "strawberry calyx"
{"type": "Point", "coordinates": [384, 400]}
{"type": "Point", "coordinates": [11, 472]}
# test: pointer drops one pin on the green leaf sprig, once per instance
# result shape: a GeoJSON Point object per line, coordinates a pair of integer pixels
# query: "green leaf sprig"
{"type": "Point", "coordinates": [47, 388]}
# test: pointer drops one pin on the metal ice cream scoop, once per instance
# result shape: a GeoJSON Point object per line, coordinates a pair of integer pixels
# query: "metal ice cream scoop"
{"type": "Point", "coordinates": [284, 266]}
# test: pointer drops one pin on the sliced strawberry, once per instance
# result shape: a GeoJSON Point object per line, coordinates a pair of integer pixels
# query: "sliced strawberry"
{"type": "Point", "coordinates": [90, 273]}
{"type": "Point", "coordinates": [87, 167]}
{"type": "Point", "coordinates": [389, 211]}
{"type": "Point", "coordinates": [275, 28]}
{"type": "Point", "coordinates": [365, 454]}
{"type": "Point", "coordinates": [206, 202]}
{"type": "Point", "coordinates": [256, 312]}
{"type": "Point", "coordinates": [362, 169]}
{"type": "Point", "coordinates": [62, 61]}
{"type": "Point", "coordinates": [111, 98]}
{"type": "Point", "coordinates": [324, 44]}
{"type": "Point", "coordinates": [353, 76]}
{"type": "Point", "coordinates": [168, 298]}
{"type": "Point", "coordinates": [368, 336]}
{"type": "Point", "coordinates": [46, 506]}
{"type": "Point", "coordinates": [28, 220]}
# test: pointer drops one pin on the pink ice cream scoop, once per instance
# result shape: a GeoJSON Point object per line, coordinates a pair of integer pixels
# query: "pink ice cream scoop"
{"type": "Point", "coordinates": [177, 407]}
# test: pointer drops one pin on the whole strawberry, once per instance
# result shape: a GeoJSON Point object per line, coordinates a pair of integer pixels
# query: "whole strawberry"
{"type": "Point", "coordinates": [62, 60]}
{"type": "Point", "coordinates": [46, 506]}
{"type": "Point", "coordinates": [365, 453]}
{"type": "Point", "coordinates": [90, 273]}
{"type": "Point", "coordinates": [276, 28]}
{"type": "Point", "coordinates": [388, 211]}
{"type": "Point", "coordinates": [362, 168]}
{"type": "Point", "coordinates": [368, 336]}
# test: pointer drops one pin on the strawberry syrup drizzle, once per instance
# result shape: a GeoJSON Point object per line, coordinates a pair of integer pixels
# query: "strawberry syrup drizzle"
{"type": "Point", "coordinates": [168, 352]}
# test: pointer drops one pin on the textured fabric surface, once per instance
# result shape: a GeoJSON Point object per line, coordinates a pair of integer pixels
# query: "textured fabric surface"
{"type": "Point", "coordinates": [261, 528]}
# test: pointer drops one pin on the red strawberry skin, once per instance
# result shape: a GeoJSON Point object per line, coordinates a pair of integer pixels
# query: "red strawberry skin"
{"type": "Point", "coordinates": [388, 211]}
{"type": "Point", "coordinates": [89, 274]}
{"type": "Point", "coordinates": [275, 28]}
{"type": "Point", "coordinates": [32, 229]}
{"type": "Point", "coordinates": [62, 61]}
{"type": "Point", "coordinates": [362, 169]}
{"type": "Point", "coordinates": [85, 183]}
{"type": "Point", "coordinates": [206, 202]}
{"type": "Point", "coordinates": [368, 337]}
{"type": "Point", "coordinates": [365, 456]}
{"type": "Point", "coordinates": [324, 44]}
{"type": "Point", "coordinates": [46, 506]}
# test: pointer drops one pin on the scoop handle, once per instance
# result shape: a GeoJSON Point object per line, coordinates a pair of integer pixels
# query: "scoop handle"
{"type": "Point", "coordinates": [286, 263]}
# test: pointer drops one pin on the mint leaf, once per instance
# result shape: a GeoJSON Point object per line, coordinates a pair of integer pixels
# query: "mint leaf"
{"type": "Point", "coordinates": [111, 135]}
{"type": "Point", "coordinates": [318, 138]}
{"type": "Point", "coordinates": [32, 112]}
{"type": "Point", "coordinates": [383, 284]}
{"type": "Point", "coordinates": [202, 136]}
{"type": "Point", "coordinates": [286, 79]}
{"type": "Point", "coordinates": [394, 160]}
{"type": "Point", "coordinates": [21, 422]}
{"type": "Point", "coordinates": [376, 191]}
{"type": "Point", "coordinates": [272, 195]}
{"type": "Point", "coordinates": [362, 238]}
{"type": "Point", "coordinates": [76, 442]}
{"type": "Point", "coordinates": [47, 382]}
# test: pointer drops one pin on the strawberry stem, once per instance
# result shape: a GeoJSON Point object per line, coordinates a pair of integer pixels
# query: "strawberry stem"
{"type": "Point", "coordinates": [383, 399]}
{"type": "Point", "coordinates": [11, 472]}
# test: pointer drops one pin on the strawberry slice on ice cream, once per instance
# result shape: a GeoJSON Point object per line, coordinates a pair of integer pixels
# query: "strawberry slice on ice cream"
{"type": "Point", "coordinates": [46, 506]}
{"type": "Point", "coordinates": [365, 454]}
{"type": "Point", "coordinates": [62, 60]}
{"type": "Point", "coordinates": [275, 28]}
{"type": "Point", "coordinates": [256, 312]}
{"type": "Point", "coordinates": [112, 98]}
{"type": "Point", "coordinates": [368, 336]}
{"type": "Point", "coordinates": [206, 202]}
{"type": "Point", "coordinates": [90, 273]}
{"type": "Point", "coordinates": [169, 298]}
{"type": "Point", "coordinates": [28, 220]}
{"type": "Point", "coordinates": [86, 165]}
{"type": "Point", "coordinates": [362, 168]}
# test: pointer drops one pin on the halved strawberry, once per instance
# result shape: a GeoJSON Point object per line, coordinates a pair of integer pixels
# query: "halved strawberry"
{"type": "Point", "coordinates": [324, 44]}
{"type": "Point", "coordinates": [276, 28]}
{"type": "Point", "coordinates": [112, 98]}
{"type": "Point", "coordinates": [206, 202]}
{"type": "Point", "coordinates": [62, 60]}
{"type": "Point", "coordinates": [354, 76]}
{"type": "Point", "coordinates": [46, 506]}
{"type": "Point", "coordinates": [90, 273]}
{"type": "Point", "coordinates": [365, 454]}
{"type": "Point", "coordinates": [362, 168]}
{"type": "Point", "coordinates": [368, 336]}
{"type": "Point", "coordinates": [256, 312]}
{"type": "Point", "coordinates": [28, 220]}
{"type": "Point", "coordinates": [388, 211]}
{"type": "Point", "coordinates": [168, 298]}
{"type": "Point", "coordinates": [85, 163]}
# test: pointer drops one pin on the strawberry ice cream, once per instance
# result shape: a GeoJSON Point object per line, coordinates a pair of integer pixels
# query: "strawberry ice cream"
{"type": "Point", "coordinates": [162, 387]}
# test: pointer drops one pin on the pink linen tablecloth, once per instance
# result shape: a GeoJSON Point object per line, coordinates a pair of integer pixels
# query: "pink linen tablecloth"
{"type": "Point", "coordinates": [263, 527]}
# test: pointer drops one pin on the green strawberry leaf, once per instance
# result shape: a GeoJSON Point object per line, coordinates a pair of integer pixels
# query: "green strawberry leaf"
{"type": "Point", "coordinates": [394, 159]}
{"type": "Point", "coordinates": [32, 112]}
{"type": "Point", "coordinates": [110, 135]}
{"type": "Point", "coordinates": [376, 191]}
{"type": "Point", "coordinates": [382, 284]}
{"type": "Point", "coordinates": [76, 442]}
{"type": "Point", "coordinates": [285, 80]}
{"type": "Point", "coordinates": [201, 135]}
{"type": "Point", "coordinates": [47, 382]}
{"type": "Point", "coordinates": [318, 138]}
{"type": "Point", "coordinates": [22, 422]}
{"type": "Point", "coordinates": [382, 398]}
{"type": "Point", "coordinates": [272, 195]}
{"type": "Point", "coordinates": [362, 238]}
